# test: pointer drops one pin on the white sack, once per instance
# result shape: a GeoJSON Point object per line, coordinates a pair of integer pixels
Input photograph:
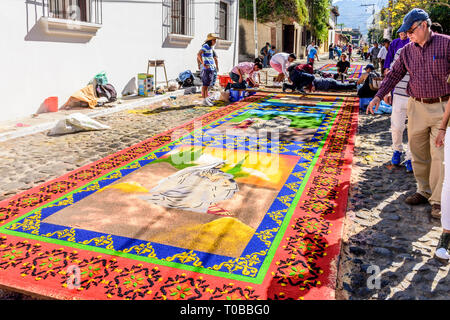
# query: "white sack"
{"type": "Point", "coordinates": [76, 122]}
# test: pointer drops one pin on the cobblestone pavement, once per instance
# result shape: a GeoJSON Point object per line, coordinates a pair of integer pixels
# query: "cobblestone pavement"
{"type": "Point", "coordinates": [384, 234]}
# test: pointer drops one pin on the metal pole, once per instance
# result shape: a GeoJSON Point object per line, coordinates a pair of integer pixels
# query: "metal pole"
{"type": "Point", "coordinates": [255, 22]}
{"type": "Point", "coordinates": [236, 30]}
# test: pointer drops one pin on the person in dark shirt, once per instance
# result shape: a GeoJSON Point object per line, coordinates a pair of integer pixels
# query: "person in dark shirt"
{"type": "Point", "coordinates": [295, 71]}
{"type": "Point", "coordinates": [364, 90]}
{"type": "Point", "coordinates": [265, 54]}
{"type": "Point", "coordinates": [342, 67]}
{"type": "Point", "coordinates": [327, 84]}
{"type": "Point", "coordinates": [300, 79]}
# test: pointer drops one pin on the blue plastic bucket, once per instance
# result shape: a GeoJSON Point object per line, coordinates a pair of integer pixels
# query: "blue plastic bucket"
{"type": "Point", "coordinates": [363, 103]}
{"type": "Point", "coordinates": [235, 95]}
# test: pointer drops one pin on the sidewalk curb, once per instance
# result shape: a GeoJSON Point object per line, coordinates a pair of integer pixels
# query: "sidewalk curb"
{"type": "Point", "coordinates": [117, 108]}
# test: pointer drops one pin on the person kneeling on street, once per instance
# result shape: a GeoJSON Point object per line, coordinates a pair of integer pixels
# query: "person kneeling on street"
{"type": "Point", "coordinates": [365, 83]}
{"type": "Point", "coordinates": [243, 69]}
{"type": "Point", "coordinates": [301, 76]}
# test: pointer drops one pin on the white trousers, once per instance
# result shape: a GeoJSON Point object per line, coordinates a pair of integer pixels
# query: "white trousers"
{"type": "Point", "coordinates": [445, 198]}
{"type": "Point", "coordinates": [398, 120]}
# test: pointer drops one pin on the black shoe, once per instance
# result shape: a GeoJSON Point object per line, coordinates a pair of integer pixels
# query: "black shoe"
{"type": "Point", "coordinates": [301, 91]}
{"type": "Point", "coordinates": [284, 87]}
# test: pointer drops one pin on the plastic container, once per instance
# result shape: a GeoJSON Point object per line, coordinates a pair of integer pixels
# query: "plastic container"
{"type": "Point", "coordinates": [51, 104]}
{"type": "Point", "coordinates": [145, 84]}
{"type": "Point", "coordinates": [224, 80]}
{"type": "Point", "coordinates": [385, 108]}
{"type": "Point", "coordinates": [363, 103]}
{"type": "Point", "coordinates": [236, 95]}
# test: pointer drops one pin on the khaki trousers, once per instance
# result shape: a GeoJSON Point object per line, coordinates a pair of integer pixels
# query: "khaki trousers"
{"type": "Point", "coordinates": [427, 160]}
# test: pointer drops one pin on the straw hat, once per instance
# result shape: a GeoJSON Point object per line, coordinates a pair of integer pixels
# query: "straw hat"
{"type": "Point", "coordinates": [212, 36]}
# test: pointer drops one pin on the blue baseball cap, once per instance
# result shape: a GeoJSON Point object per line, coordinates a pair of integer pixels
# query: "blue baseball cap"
{"type": "Point", "coordinates": [414, 15]}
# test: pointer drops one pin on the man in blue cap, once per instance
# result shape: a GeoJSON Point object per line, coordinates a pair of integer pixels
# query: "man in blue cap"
{"type": "Point", "coordinates": [427, 59]}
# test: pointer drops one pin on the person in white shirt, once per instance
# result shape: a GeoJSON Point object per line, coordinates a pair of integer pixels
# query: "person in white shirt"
{"type": "Point", "coordinates": [383, 53]}
{"type": "Point", "coordinates": [281, 62]}
{"type": "Point", "coordinates": [399, 103]}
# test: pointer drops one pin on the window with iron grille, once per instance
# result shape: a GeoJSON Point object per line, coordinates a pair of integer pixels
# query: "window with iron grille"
{"type": "Point", "coordinates": [223, 24]}
{"type": "Point", "coordinates": [178, 17]}
{"type": "Point", "coordinates": [224, 20]}
{"type": "Point", "coordinates": [77, 10]}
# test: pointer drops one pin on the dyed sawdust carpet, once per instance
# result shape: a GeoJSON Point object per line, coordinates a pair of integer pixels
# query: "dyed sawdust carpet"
{"type": "Point", "coordinates": [246, 202]}
{"type": "Point", "coordinates": [354, 72]}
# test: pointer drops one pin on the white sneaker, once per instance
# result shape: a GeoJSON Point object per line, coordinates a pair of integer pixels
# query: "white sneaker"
{"type": "Point", "coordinates": [207, 102]}
{"type": "Point", "coordinates": [443, 248]}
{"type": "Point", "coordinates": [443, 254]}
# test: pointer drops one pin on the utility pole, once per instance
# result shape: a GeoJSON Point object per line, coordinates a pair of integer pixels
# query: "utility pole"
{"type": "Point", "coordinates": [373, 12]}
{"type": "Point", "coordinates": [255, 22]}
{"type": "Point", "coordinates": [390, 8]}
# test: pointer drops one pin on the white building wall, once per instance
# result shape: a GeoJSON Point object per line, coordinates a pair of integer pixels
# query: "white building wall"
{"type": "Point", "coordinates": [34, 66]}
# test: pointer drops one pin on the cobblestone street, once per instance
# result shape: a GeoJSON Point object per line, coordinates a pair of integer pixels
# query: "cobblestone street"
{"type": "Point", "coordinates": [384, 234]}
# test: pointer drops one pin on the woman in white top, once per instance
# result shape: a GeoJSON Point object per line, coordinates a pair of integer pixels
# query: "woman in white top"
{"type": "Point", "coordinates": [280, 62]}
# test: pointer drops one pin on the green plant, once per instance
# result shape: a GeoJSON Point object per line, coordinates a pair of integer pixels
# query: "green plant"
{"type": "Point", "coordinates": [319, 16]}
{"type": "Point", "coordinates": [273, 10]}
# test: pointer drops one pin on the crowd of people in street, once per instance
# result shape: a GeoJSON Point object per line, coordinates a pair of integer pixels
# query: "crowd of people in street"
{"type": "Point", "coordinates": [410, 73]}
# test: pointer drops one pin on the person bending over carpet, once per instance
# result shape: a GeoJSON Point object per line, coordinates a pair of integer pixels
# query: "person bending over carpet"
{"type": "Point", "coordinates": [299, 76]}
{"type": "Point", "coordinates": [280, 62]}
{"type": "Point", "coordinates": [243, 69]}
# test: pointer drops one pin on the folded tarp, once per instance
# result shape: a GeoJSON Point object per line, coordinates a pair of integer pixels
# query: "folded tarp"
{"type": "Point", "coordinates": [87, 95]}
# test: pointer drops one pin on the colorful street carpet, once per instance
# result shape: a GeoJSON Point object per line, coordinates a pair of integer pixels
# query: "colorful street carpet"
{"type": "Point", "coordinates": [246, 202]}
{"type": "Point", "coordinates": [354, 72]}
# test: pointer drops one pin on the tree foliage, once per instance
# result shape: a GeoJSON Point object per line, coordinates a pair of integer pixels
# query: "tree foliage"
{"type": "Point", "coordinates": [375, 35]}
{"type": "Point", "coordinates": [314, 13]}
{"type": "Point", "coordinates": [274, 10]}
{"type": "Point", "coordinates": [439, 11]}
{"type": "Point", "coordinates": [319, 16]}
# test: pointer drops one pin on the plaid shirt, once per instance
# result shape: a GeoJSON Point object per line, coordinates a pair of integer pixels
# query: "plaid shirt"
{"type": "Point", "coordinates": [428, 68]}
